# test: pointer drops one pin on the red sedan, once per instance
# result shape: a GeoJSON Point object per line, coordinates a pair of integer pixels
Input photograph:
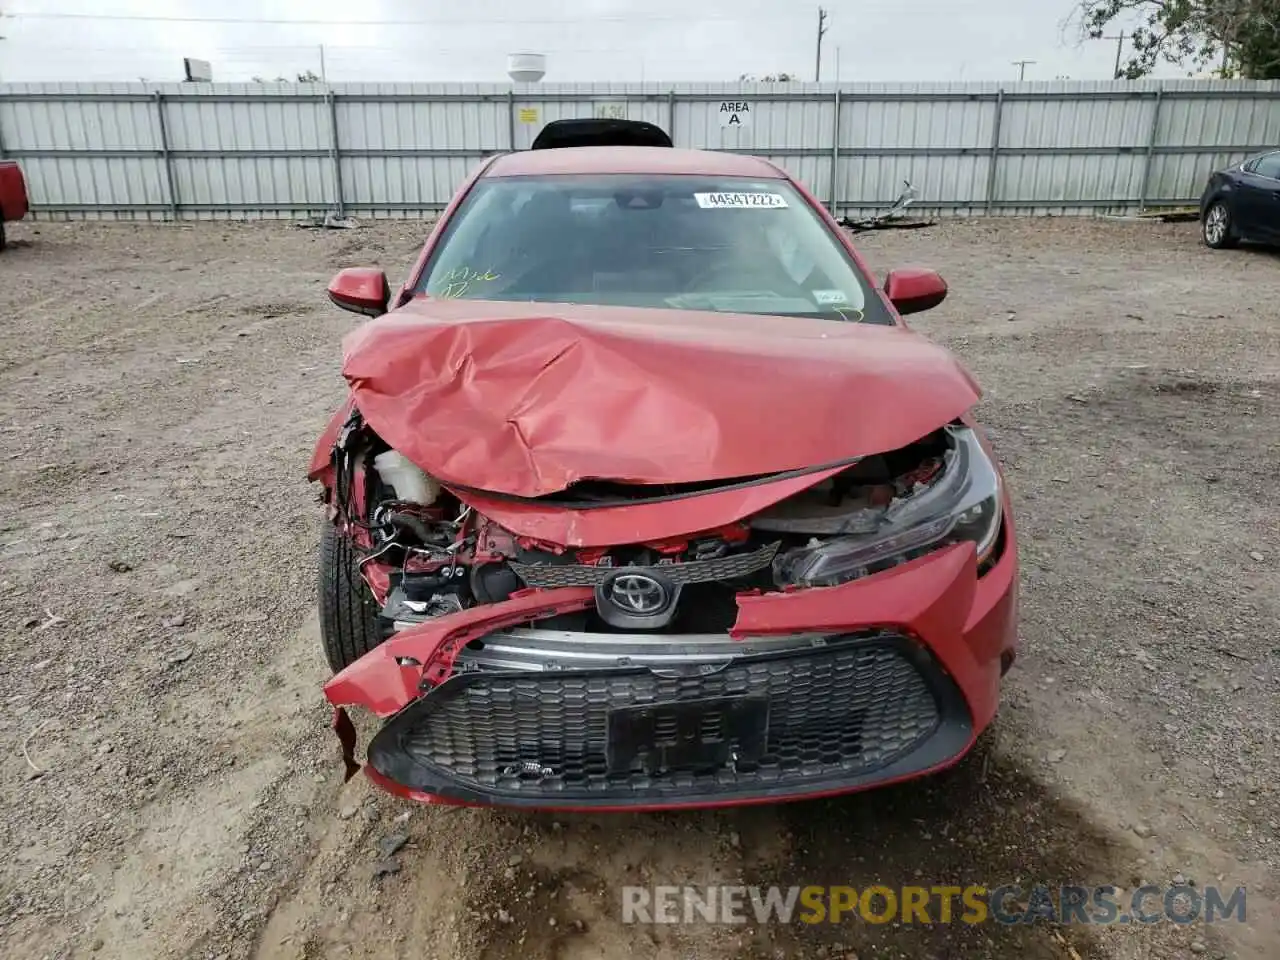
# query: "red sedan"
{"type": "Point", "coordinates": [645, 496]}
{"type": "Point", "coordinates": [13, 195]}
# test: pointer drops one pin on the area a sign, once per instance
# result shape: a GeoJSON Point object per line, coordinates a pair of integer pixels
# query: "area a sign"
{"type": "Point", "coordinates": [735, 113]}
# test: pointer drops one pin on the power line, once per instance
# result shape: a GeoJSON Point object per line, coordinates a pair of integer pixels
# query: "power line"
{"type": "Point", "coordinates": [431, 22]}
{"type": "Point", "coordinates": [408, 49]}
{"type": "Point", "coordinates": [341, 63]}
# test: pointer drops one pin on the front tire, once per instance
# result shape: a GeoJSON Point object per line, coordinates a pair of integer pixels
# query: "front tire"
{"type": "Point", "coordinates": [1217, 228]}
{"type": "Point", "coordinates": [348, 612]}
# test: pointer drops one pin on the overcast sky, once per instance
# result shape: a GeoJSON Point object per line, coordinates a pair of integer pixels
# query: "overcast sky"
{"type": "Point", "coordinates": [620, 40]}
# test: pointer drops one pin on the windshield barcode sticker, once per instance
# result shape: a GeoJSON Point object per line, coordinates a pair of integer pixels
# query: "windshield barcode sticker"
{"type": "Point", "coordinates": [740, 201]}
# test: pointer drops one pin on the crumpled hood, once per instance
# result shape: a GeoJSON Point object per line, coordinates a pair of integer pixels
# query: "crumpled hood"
{"type": "Point", "coordinates": [526, 399]}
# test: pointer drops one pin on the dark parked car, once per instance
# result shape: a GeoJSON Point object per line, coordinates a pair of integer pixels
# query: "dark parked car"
{"type": "Point", "coordinates": [1242, 202]}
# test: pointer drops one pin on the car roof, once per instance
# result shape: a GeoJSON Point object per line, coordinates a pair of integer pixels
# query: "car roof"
{"type": "Point", "coordinates": [641, 160]}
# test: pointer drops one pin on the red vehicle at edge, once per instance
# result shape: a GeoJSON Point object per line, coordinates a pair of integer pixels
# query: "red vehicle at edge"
{"type": "Point", "coordinates": [13, 195]}
{"type": "Point", "coordinates": [644, 496]}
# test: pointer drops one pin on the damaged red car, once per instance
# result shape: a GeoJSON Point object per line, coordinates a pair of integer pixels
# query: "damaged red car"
{"type": "Point", "coordinates": [644, 496]}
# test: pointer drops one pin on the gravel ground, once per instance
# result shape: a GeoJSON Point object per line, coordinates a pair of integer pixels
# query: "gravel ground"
{"type": "Point", "coordinates": [168, 786]}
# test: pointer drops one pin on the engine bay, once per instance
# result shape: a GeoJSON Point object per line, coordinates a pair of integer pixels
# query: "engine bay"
{"type": "Point", "coordinates": [425, 553]}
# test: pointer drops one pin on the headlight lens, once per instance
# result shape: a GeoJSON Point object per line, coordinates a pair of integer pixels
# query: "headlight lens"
{"type": "Point", "coordinates": [964, 504]}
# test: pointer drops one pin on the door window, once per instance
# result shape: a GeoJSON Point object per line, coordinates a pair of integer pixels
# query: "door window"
{"type": "Point", "coordinates": [1268, 166]}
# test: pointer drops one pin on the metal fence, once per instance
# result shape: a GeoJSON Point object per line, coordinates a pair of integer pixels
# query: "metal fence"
{"type": "Point", "coordinates": [190, 151]}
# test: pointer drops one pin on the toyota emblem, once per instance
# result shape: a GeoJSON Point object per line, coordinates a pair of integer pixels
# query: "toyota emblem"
{"type": "Point", "coordinates": [637, 593]}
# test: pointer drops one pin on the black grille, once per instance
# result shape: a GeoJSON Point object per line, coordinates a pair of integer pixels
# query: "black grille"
{"type": "Point", "coordinates": [728, 567]}
{"type": "Point", "coordinates": [835, 715]}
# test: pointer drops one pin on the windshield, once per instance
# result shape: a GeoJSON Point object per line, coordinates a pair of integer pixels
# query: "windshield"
{"type": "Point", "coordinates": [676, 242]}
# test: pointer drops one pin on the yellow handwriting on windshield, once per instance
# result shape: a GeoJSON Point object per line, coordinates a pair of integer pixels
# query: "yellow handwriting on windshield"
{"type": "Point", "coordinates": [458, 281]}
{"type": "Point", "coordinates": [850, 314]}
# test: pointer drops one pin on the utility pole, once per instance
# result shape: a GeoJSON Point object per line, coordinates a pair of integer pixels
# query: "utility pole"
{"type": "Point", "coordinates": [1119, 51]}
{"type": "Point", "coordinates": [822, 29]}
{"type": "Point", "coordinates": [1022, 68]}
{"type": "Point", "coordinates": [324, 77]}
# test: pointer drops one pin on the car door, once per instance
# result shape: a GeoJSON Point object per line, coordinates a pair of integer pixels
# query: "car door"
{"type": "Point", "coordinates": [1267, 209]}
{"type": "Point", "coordinates": [1257, 208]}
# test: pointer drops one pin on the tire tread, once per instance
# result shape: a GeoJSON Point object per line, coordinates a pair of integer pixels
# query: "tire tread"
{"type": "Point", "coordinates": [348, 613]}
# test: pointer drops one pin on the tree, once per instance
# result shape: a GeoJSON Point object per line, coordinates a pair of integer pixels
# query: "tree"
{"type": "Point", "coordinates": [768, 78]}
{"type": "Point", "coordinates": [307, 76]}
{"type": "Point", "coordinates": [1234, 38]}
{"type": "Point", "coordinates": [1257, 50]}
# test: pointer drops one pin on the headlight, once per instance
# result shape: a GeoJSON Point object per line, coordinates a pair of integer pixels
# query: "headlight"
{"type": "Point", "coordinates": [963, 504]}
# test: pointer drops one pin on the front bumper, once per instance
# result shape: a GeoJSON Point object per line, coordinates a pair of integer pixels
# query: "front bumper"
{"type": "Point", "coordinates": [827, 713]}
{"type": "Point", "coordinates": [827, 690]}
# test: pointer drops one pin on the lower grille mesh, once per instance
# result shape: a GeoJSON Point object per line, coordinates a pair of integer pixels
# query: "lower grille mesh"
{"type": "Point", "coordinates": [833, 711]}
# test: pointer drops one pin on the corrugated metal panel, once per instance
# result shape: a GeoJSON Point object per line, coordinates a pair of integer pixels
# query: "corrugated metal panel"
{"type": "Point", "coordinates": [105, 182]}
{"type": "Point", "coordinates": [414, 182]}
{"type": "Point", "coordinates": [253, 182]}
{"type": "Point", "coordinates": [66, 125]}
{"type": "Point", "coordinates": [869, 182]}
{"type": "Point", "coordinates": [867, 122]}
{"type": "Point", "coordinates": [1209, 121]}
{"type": "Point", "coordinates": [1044, 152]}
{"type": "Point", "coordinates": [940, 145]}
{"type": "Point", "coordinates": [1076, 123]}
{"type": "Point", "coordinates": [408, 124]}
{"type": "Point", "coordinates": [245, 125]}
{"type": "Point", "coordinates": [204, 150]}
{"type": "Point", "coordinates": [1183, 176]}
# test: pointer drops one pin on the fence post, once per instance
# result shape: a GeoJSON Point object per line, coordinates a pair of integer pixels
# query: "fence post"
{"type": "Point", "coordinates": [1151, 147]}
{"type": "Point", "coordinates": [335, 156]}
{"type": "Point", "coordinates": [165, 158]}
{"type": "Point", "coordinates": [671, 114]}
{"type": "Point", "coordinates": [994, 157]}
{"type": "Point", "coordinates": [511, 120]}
{"type": "Point", "coordinates": [835, 157]}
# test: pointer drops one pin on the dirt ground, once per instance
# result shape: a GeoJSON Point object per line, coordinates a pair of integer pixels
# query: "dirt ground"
{"type": "Point", "coordinates": [168, 784]}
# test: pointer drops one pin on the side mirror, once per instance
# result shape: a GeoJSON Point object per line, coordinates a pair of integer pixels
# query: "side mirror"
{"type": "Point", "coordinates": [913, 290]}
{"type": "Point", "coordinates": [361, 290]}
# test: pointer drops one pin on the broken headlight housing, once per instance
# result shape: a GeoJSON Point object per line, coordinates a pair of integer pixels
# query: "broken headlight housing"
{"type": "Point", "coordinates": [965, 503]}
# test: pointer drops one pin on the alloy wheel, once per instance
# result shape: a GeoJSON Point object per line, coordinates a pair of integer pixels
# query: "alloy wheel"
{"type": "Point", "coordinates": [1215, 224]}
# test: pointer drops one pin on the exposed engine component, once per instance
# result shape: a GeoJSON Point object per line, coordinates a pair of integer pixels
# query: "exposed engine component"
{"type": "Point", "coordinates": [493, 582]}
{"type": "Point", "coordinates": [410, 482]}
{"type": "Point", "coordinates": [399, 611]}
{"type": "Point", "coordinates": [426, 554]}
